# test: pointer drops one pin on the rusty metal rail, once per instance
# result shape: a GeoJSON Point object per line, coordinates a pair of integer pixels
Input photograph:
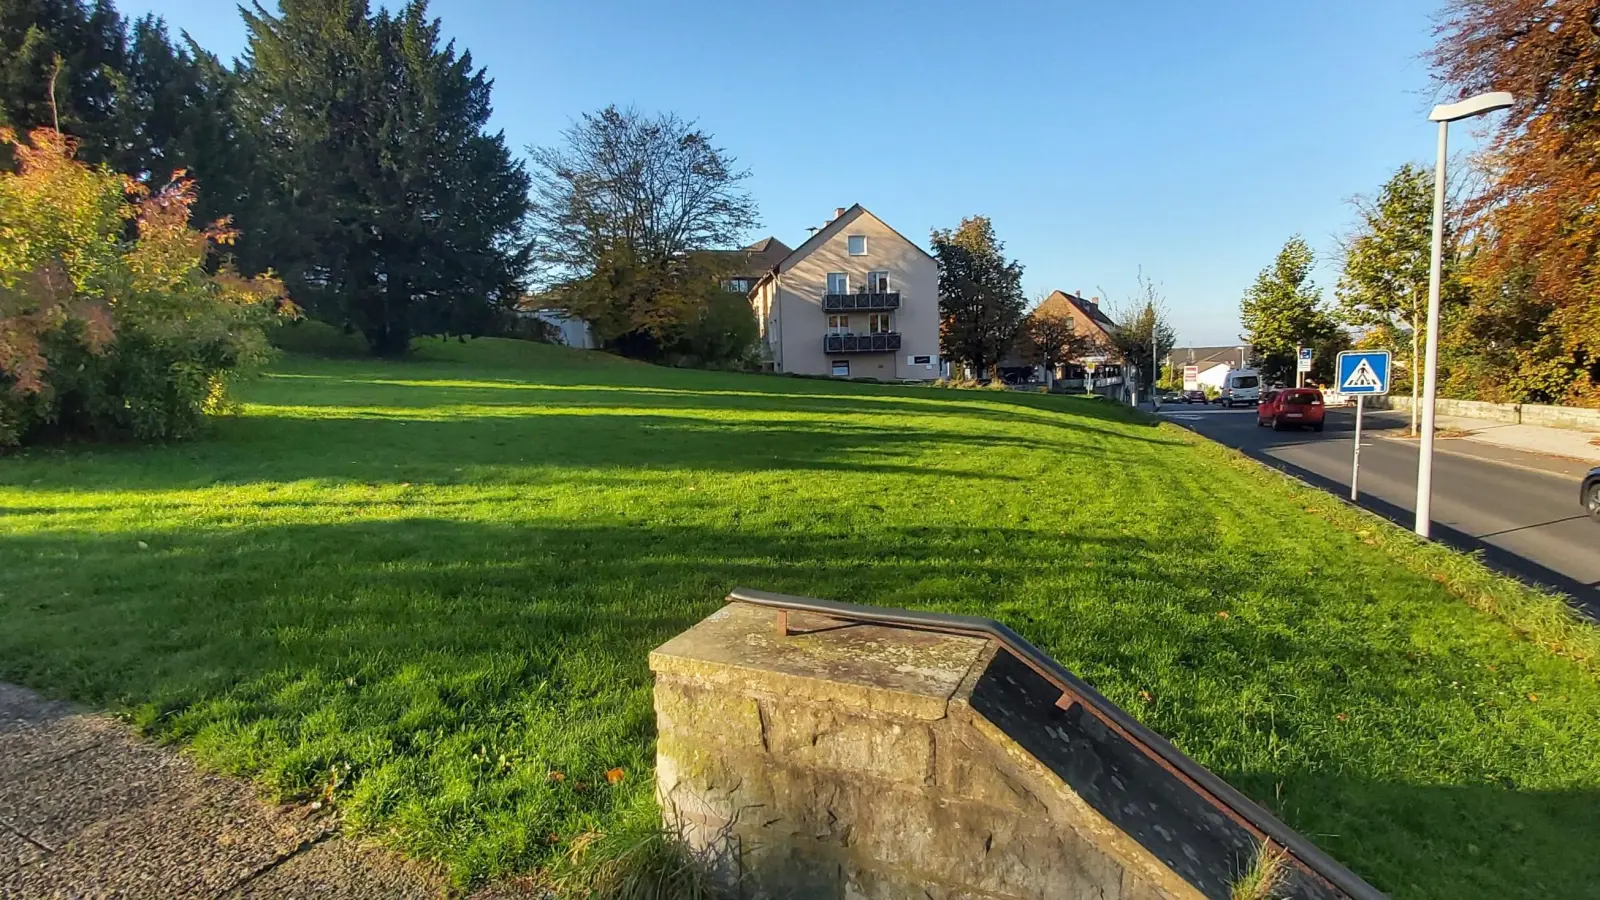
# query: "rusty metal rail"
{"type": "Point", "coordinates": [1074, 690]}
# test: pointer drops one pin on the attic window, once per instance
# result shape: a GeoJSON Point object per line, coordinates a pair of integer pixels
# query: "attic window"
{"type": "Point", "coordinates": [858, 244]}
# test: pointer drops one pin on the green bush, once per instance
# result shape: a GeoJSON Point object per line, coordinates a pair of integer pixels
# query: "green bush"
{"type": "Point", "coordinates": [111, 331]}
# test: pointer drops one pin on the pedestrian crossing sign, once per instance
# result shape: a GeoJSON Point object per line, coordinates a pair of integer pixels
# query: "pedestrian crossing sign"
{"type": "Point", "coordinates": [1363, 372]}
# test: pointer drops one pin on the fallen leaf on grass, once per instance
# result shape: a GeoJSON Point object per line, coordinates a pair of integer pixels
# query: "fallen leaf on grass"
{"type": "Point", "coordinates": [557, 776]}
{"type": "Point", "coordinates": [1533, 698]}
{"type": "Point", "coordinates": [1223, 614]}
{"type": "Point", "coordinates": [614, 775]}
{"type": "Point", "coordinates": [1145, 696]}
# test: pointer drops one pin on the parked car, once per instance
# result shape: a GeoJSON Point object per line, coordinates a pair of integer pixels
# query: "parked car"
{"type": "Point", "coordinates": [1193, 397]}
{"type": "Point", "coordinates": [1292, 408]}
{"type": "Point", "coordinates": [1589, 493]}
{"type": "Point", "coordinates": [1239, 387]}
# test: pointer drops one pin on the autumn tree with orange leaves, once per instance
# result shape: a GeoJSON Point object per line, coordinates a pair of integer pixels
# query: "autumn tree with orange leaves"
{"type": "Point", "coordinates": [1534, 321]}
{"type": "Point", "coordinates": [107, 330]}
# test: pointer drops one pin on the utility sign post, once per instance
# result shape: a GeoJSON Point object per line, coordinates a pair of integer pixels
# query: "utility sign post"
{"type": "Point", "coordinates": [1362, 373]}
{"type": "Point", "coordinates": [1302, 364]}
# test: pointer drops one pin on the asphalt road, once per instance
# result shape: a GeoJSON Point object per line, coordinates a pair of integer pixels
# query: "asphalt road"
{"type": "Point", "coordinates": [1519, 509]}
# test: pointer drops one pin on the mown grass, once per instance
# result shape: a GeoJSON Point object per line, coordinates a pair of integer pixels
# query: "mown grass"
{"type": "Point", "coordinates": [426, 587]}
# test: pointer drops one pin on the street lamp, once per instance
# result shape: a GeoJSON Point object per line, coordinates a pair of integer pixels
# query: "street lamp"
{"type": "Point", "coordinates": [1444, 115]}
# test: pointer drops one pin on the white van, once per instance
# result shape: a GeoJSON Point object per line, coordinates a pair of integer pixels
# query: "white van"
{"type": "Point", "coordinates": [1241, 386]}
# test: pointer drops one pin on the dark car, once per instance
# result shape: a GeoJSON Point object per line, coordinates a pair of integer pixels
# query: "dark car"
{"type": "Point", "coordinates": [1193, 397]}
{"type": "Point", "coordinates": [1589, 493]}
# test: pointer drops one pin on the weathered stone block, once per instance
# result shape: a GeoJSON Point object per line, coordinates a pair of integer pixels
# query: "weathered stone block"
{"type": "Point", "coordinates": [721, 717]}
{"type": "Point", "coordinates": [865, 668]}
{"type": "Point", "coordinates": [896, 750]}
{"type": "Point", "coordinates": [882, 764]}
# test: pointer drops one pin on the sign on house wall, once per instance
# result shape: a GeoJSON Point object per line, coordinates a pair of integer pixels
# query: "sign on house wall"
{"type": "Point", "coordinates": [1191, 378]}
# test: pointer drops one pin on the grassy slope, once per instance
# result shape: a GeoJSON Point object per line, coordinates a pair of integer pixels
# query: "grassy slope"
{"type": "Point", "coordinates": [435, 582]}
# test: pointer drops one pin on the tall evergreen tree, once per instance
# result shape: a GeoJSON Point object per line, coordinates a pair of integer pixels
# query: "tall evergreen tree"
{"type": "Point", "coordinates": [1282, 310]}
{"type": "Point", "coordinates": [390, 210]}
{"type": "Point", "coordinates": [131, 97]}
{"type": "Point", "coordinates": [83, 49]}
{"type": "Point", "coordinates": [980, 294]}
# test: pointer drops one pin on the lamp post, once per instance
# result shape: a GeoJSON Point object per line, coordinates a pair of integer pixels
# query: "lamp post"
{"type": "Point", "coordinates": [1444, 115]}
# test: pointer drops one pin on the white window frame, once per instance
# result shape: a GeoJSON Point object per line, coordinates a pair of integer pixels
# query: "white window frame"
{"type": "Point", "coordinates": [880, 318]}
{"type": "Point", "coordinates": [850, 244]}
{"type": "Point", "coordinates": [835, 365]}
{"type": "Point", "coordinates": [873, 279]}
{"type": "Point", "coordinates": [844, 282]}
{"type": "Point", "coordinates": [838, 323]}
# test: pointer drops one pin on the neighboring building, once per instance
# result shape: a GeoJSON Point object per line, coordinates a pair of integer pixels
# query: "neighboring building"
{"type": "Point", "coordinates": [857, 299]}
{"type": "Point", "coordinates": [1213, 362]}
{"type": "Point", "coordinates": [747, 265]}
{"type": "Point", "coordinates": [569, 329]}
{"type": "Point", "coordinates": [1087, 319]}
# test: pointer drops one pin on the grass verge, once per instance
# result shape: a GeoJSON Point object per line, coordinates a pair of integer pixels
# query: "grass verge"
{"type": "Point", "coordinates": [428, 589]}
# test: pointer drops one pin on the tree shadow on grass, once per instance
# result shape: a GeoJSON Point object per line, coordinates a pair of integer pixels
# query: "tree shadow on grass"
{"type": "Point", "coordinates": [420, 651]}
{"type": "Point", "coordinates": [701, 391]}
{"type": "Point", "coordinates": [381, 447]}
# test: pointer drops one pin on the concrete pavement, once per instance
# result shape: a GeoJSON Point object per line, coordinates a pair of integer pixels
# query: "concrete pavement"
{"type": "Point", "coordinates": [89, 810]}
{"type": "Point", "coordinates": [1518, 508]}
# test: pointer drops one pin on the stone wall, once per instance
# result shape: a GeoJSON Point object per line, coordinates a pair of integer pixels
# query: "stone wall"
{"type": "Point", "coordinates": [867, 762]}
{"type": "Point", "coordinates": [1572, 417]}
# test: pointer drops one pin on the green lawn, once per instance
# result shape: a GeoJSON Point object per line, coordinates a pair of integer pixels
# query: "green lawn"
{"type": "Point", "coordinates": [431, 584]}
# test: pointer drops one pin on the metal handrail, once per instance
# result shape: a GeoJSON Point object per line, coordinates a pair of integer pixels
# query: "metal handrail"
{"type": "Point", "coordinates": [1225, 797]}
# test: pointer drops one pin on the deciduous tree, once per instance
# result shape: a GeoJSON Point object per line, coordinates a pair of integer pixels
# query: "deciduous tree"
{"type": "Point", "coordinates": [1383, 288]}
{"type": "Point", "coordinates": [621, 208]}
{"type": "Point", "coordinates": [980, 294]}
{"type": "Point", "coordinates": [1142, 334]}
{"type": "Point", "coordinates": [1539, 234]}
{"type": "Point", "coordinates": [1049, 338]}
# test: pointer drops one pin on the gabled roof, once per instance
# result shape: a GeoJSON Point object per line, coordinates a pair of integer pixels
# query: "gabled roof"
{"type": "Point", "coordinates": [827, 231]}
{"type": "Point", "coordinates": [1057, 302]}
{"type": "Point", "coordinates": [755, 260]}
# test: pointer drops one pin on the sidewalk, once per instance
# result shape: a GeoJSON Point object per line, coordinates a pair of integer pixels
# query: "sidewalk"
{"type": "Point", "coordinates": [1560, 442]}
{"type": "Point", "coordinates": [87, 809]}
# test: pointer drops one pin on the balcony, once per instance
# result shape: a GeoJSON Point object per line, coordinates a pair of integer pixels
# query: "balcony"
{"type": "Point", "coordinates": [863, 302]}
{"type": "Point", "coordinates": [885, 342]}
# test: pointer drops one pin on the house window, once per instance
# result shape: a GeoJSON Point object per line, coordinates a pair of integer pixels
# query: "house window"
{"type": "Point", "coordinates": [839, 324]}
{"type": "Point", "coordinates": [878, 323]}
{"type": "Point", "coordinates": [740, 285]}
{"type": "Point", "coordinates": [838, 283]}
{"type": "Point", "coordinates": [878, 282]}
{"type": "Point", "coordinates": [857, 244]}
{"type": "Point", "coordinates": [841, 368]}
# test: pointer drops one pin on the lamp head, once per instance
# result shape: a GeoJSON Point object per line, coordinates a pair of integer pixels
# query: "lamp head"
{"type": "Point", "coordinates": [1472, 106]}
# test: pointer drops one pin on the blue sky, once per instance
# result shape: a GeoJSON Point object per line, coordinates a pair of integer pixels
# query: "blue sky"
{"type": "Point", "coordinates": [1187, 138]}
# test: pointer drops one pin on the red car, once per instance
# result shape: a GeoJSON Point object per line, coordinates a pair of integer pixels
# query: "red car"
{"type": "Point", "coordinates": [1292, 407]}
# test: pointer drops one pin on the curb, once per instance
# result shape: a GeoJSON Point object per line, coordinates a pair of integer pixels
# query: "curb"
{"type": "Point", "coordinates": [1562, 476]}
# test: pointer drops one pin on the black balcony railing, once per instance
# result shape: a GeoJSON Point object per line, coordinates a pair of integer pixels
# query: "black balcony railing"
{"type": "Point", "coordinates": [861, 343]}
{"type": "Point", "coordinates": [864, 302]}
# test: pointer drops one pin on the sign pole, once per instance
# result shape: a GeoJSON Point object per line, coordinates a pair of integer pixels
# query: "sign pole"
{"type": "Point", "coordinates": [1355, 462]}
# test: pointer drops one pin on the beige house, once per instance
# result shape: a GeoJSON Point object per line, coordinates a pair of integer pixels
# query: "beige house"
{"type": "Point", "coordinates": [855, 300]}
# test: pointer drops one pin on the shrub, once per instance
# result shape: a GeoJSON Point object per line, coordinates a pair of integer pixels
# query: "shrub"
{"type": "Point", "coordinates": [110, 325]}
